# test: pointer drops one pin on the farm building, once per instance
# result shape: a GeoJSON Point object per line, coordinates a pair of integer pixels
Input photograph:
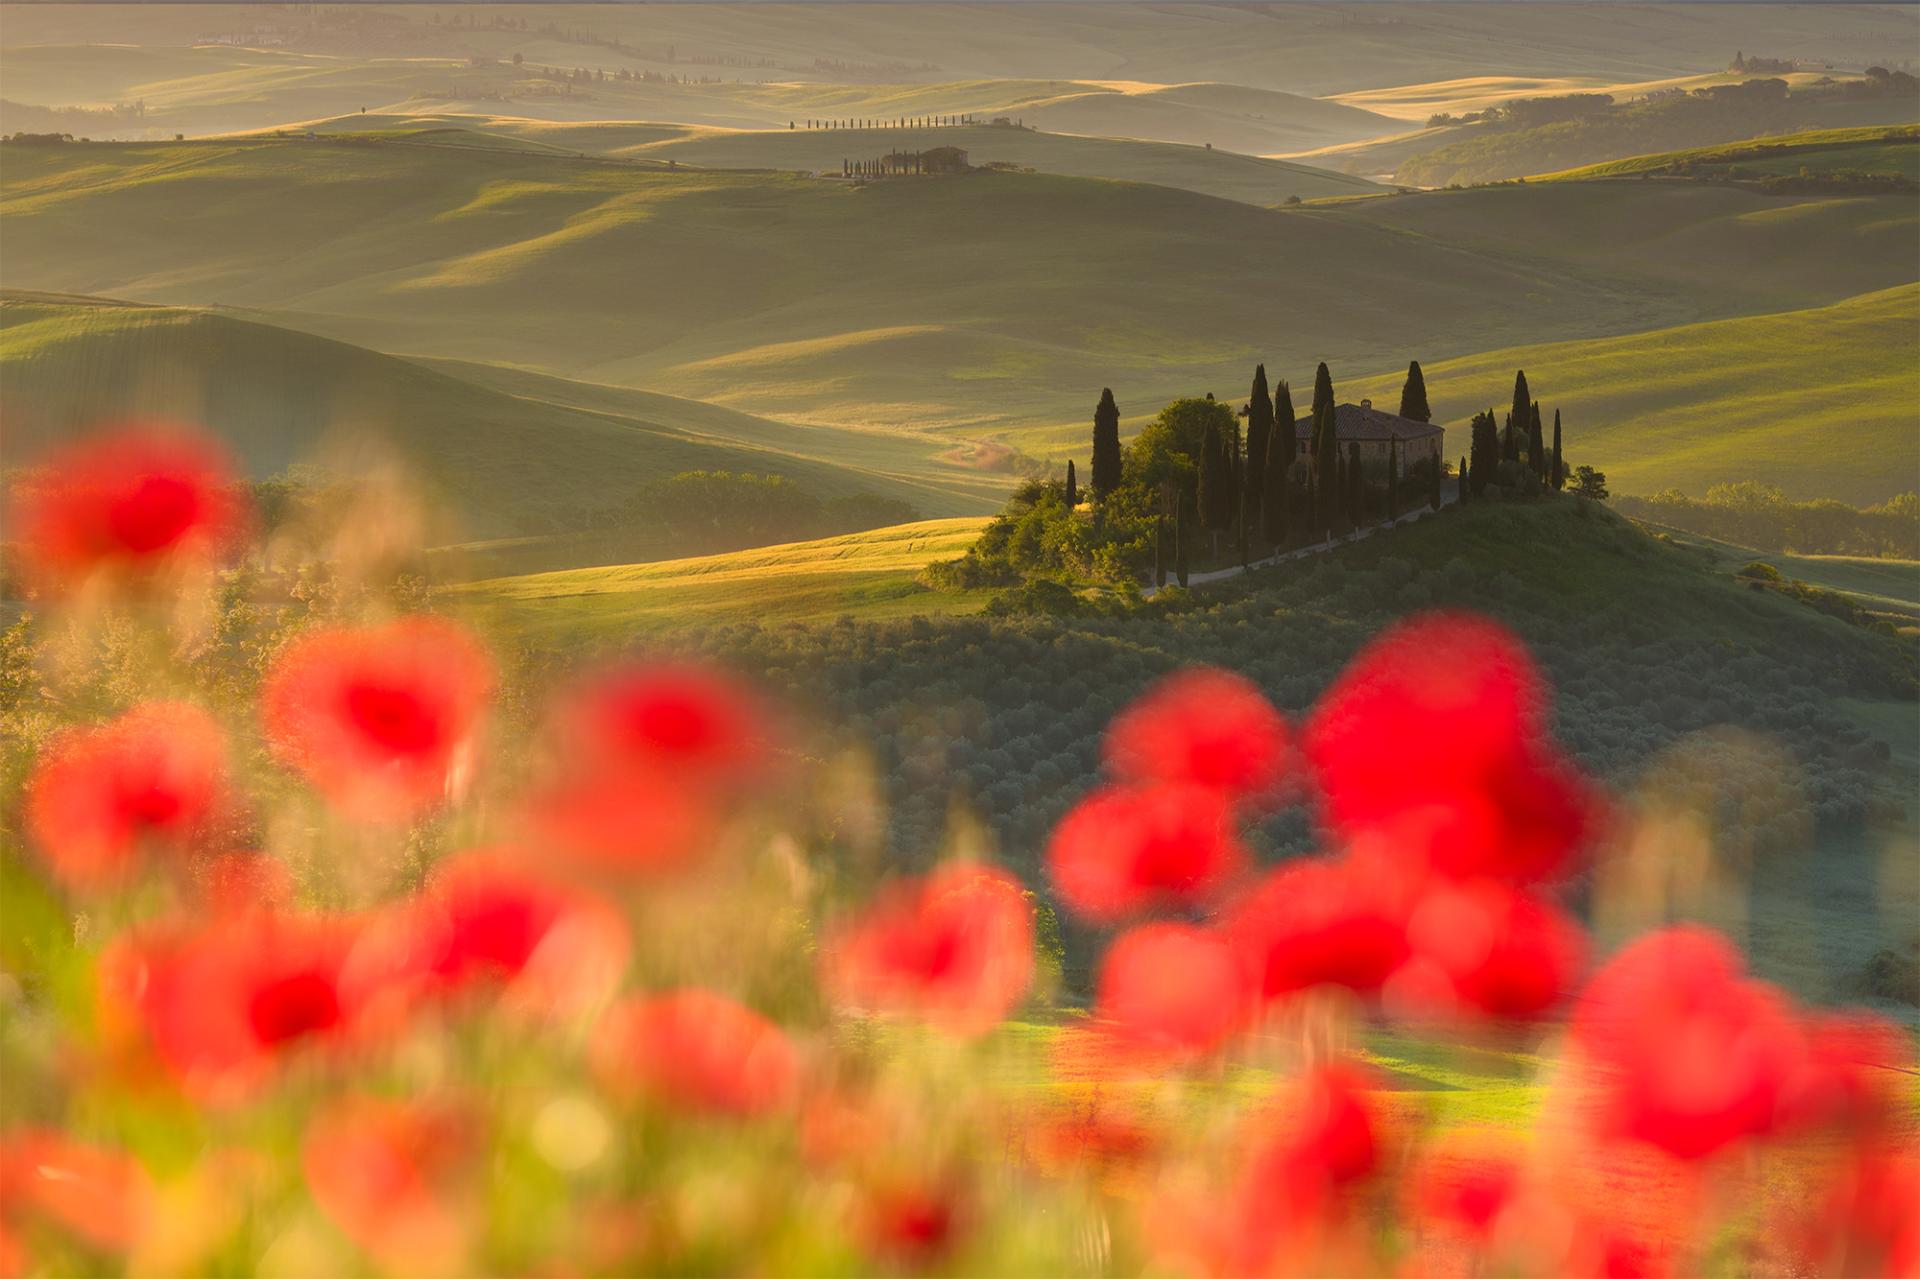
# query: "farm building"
{"type": "Point", "coordinates": [1372, 429]}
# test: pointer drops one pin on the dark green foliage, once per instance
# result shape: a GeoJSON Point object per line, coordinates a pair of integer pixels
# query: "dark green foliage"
{"type": "Point", "coordinates": [1466, 489]}
{"type": "Point", "coordinates": [1760, 515]}
{"type": "Point", "coordinates": [1277, 513]}
{"type": "Point", "coordinates": [1106, 445]}
{"type": "Point", "coordinates": [1038, 536]}
{"type": "Point", "coordinates": [1073, 489]}
{"type": "Point", "coordinates": [1588, 482]}
{"type": "Point", "coordinates": [1484, 452]}
{"type": "Point", "coordinates": [1433, 482]}
{"type": "Point", "coordinates": [1536, 446]}
{"type": "Point", "coordinates": [1039, 597]}
{"type": "Point", "coordinates": [1214, 491]}
{"type": "Point", "coordinates": [1558, 478]}
{"type": "Point", "coordinates": [1413, 396]}
{"type": "Point", "coordinates": [1260, 421]}
{"type": "Point", "coordinates": [1180, 541]}
{"type": "Point", "coordinates": [1510, 440]}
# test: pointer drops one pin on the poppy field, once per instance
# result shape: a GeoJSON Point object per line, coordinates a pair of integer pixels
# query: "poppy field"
{"type": "Point", "coordinates": [365, 954]}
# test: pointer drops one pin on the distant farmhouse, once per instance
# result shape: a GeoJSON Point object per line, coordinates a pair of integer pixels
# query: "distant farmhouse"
{"type": "Point", "coordinates": [1374, 430]}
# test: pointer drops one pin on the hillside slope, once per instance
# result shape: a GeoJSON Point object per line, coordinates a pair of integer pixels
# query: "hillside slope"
{"type": "Point", "coordinates": [510, 453]}
{"type": "Point", "coordinates": [977, 303]}
{"type": "Point", "coordinates": [1820, 402]}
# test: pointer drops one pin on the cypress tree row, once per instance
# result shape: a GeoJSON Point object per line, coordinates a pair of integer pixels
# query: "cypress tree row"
{"type": "Point", "coordinates": [1536, 448]}
{"type": "Point", "coordinates": [1559, 477]}
{"type": "Point", "coordinates": [1073, 489]}
{"type": "Point", "coordinates": [1413, 396]}
{"type": "Point", "coordinates": [1212, 489]}
{"type": "Point", "coordinates": [1259, 431]}
{"type": "Point", "coordinates": [1393, 478]}
{"type": "Point", "coordinates": [1106, 445]}
{"type": "Point", "coordinates": [1180, 540]}
{"type": "Point", "coordinates": [1510, 440]}
{"type": "Point", "coordinates": [1485, 452]}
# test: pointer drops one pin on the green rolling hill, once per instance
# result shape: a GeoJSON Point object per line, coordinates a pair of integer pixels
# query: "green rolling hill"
{"type": "Point", "coordinates": [1892, 151]}
{"type": "Point", "coordinates": [986, 305]}
{"type": "Point", "coordinates": [507, 452]}
{"type": "Point", "coordinates": [1821, 402]}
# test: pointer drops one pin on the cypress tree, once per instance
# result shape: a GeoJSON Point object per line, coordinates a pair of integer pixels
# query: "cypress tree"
{"type": "Point", "coordinates": [1393, 478]}
{"type": "Point", "coordinates": [1322, 400]}
{"type": "Point", "coordinates": [1465, 488]}
{"type": "Point", "coordinates": [1276, 503]}
{"type": "Point", "coordinates": [1485, 452]}
{"type": "Point", "coordinates": [1413, 396]}
{"type": "Point", "coordinates": [1433, 482]}
{"type": "Point", "coordinates": [1213, 484]}
{"type": "Point", "coordinates": [1559, 477]}
{"type": "Point", "coordinates": [1536, 448]}
{"type": "Point", "coordinates": [1522, 400]}
{"type": "Point", "coordinates": [1327, 465]}
{"type": "Point", "coordinates": [1106, 445]}
{"type": "Point", "coordinates": [1259, 430]}
{"type": "Point", "coordinates": [1313, 500]}
{"type": "Point", "coordinates": [1073, 489]}
{"type": "Point", "coordinates": [1509, 441]}
{"type": "Point", "coordinates": [1356, 488]}
{"type": "Point", "coordinates": [1285, 435]}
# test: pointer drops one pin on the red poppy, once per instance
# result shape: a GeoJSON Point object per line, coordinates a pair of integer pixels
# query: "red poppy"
{"type": "Point", "coordinates": [101, 1196]}
{"type": "Point", "coordinates": [1321, 921]}
{"type": "Point", "coordinates": [1433, 739]}
{"type": "Point", "coordinates": [1329, 1137]}
{"type": "Point", "coordinates": [1172, 990]}
{"type": "Point", "coordinates": [698, 1050]}
{"type": "Point", "coordinates": [1499, 952]}
{"type": "Point", "coordinates": [1855, 1062]}
{"type": "Point", "coordinates": [1205, 727]}
{"type": "Point", "coordinates": [687, 723]}
{"type": "Point", "coordinates": [236, 883]}
{"type": "Point", "coordinates": [955, 948]}
{"type": "Point", "coordinates": [1466, 1182]}
{"type": "Point", "coordinates": [154, 778]}
{"type": "Point", "coordinates": [1866, 1224]}
{"type": "Point", "coordinates": [486, 921]}
{"type": "Point", "coordinates": [382, 719]}
{"type": "Point", "coordinates": [1123, 850]}
{"type": "Point", "coordinates": [394, 1177]}
{"type": "Point", "coordinates": [223, 1007]}
{"type": "Point", "coordinates": [911, 1224]}
{"type": "Point", "coordinates": [1690, 1055]}
{"type": "Point", "coordinates": [130, 502]}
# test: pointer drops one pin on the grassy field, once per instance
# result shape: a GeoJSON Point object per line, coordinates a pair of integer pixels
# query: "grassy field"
{"type": "Point", "coordinates": [1890, 587]}
{"type": "Point", "coordinates": [869, 575]}
{"type": "Point", "coordinates": [983, 305]}
{"type": "Point", "coordinates": [1889, 150]}
{"type": "Point", "coordinates": [1762, 397]}
{"type": "Point", "coordinates": [508, 451]}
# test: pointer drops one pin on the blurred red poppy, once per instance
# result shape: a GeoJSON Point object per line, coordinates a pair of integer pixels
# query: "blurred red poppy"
{"type": "Point", "coordinates": [1856, 1062]}
{"type": "Point", "coordinates": [1433, 738]}
{"type": "Point", "coordinates": [686, 723]}
{"type": "Point", "coordinates": [154, 779]}
{"type": "Point", "coordinates": [699, 1050]}
{"type": "Point", "coordinates": [132, 501]}
{"type": "Point", "coordinates": [222, 1007]}
{"type": "Point", "coordinates": [1866, 1224]}
{"type": "Point", "coordinates": [954, 947]}
{"type": "Point", "coordinates": [393, 1176]}
{"type": "Point", "coordinates": [1124, 850]}
{"type": "Point", "coordinates": [1172, 990]}
{"type": "Point", "coordinates": [1328, 1138]}
{"type": "Point", "coordinates": [911, 1223]}
{"type": "Point", "coordinates": [1320, 921]}
{"type": "Point", "coordinates": [382, 719]}
{"type": "Point", "coordinates": [1203, 727]}
{"type": "Point", "coordinates": [1498, 951]}
{"type": "Point", "coordinates": [487, 921]}
{"type": "Point", "coordinates": [1689, 1054]}
{"type": "Point", "coordinates": [1465, 1182]}
{"type": "Point", "coordinates": [100, 1196]}
{"type": "Point", "coordinates": [235, 883]}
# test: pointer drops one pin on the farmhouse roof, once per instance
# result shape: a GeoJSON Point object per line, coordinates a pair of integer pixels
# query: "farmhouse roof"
{"type": "Point", "coordinates": [1362, 422]}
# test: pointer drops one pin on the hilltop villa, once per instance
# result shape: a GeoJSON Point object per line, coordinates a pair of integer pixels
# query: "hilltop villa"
{"type": "Point", "coordinates": [1372, 429]}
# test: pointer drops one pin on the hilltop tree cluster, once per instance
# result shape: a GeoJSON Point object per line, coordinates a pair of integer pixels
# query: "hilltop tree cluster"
{"type": "Point", "coordinates": [1513, 454]}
